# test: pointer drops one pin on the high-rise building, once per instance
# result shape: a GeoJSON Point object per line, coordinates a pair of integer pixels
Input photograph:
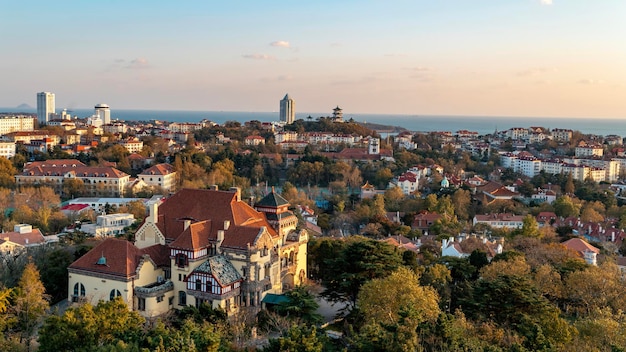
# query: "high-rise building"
{"type": "Point", "coordinates": [45, 107]}
{"type": "Point", "coordinates": [104, 112]}
{"type": "Point", "coordinates": [287, 110]}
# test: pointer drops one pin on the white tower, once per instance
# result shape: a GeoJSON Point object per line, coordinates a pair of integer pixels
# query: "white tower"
{"type": "Point", "coordinates": [45, 107]}
{"type": "Point", "coordinates": [104, 112]}
{"type": "Point", "coordinates": [287, 110]}
{"type": "Point", "coordinates": [374, 146]}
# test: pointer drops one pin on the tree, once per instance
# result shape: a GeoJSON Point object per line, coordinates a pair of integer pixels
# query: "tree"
{"type": "Point", "coordinates": [301, 305]}
{"type": "Point", "coordinates": [7, 173]}
{"type": "Point", "coordinates": [85, 325]}
{"type": "Point", "coordinates": [565, 207]}
{"type": "Point", "coordinates": [530, 227]}
{"type": "Point", "coordinates": [297, 339]}
{"type": "Point", "coordinates": [382, 300]}
{"type": "Point", "coordinates": [31, 302]}
{"type": "Point", "coordinates": [360, 261]}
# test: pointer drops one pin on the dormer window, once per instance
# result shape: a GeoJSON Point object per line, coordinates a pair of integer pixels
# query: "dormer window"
{"type": "Point", "coordinates": [181, 260]}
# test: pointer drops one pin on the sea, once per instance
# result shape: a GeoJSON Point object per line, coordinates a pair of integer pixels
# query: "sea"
{"type": "Point", "coordinates": [419, 123]}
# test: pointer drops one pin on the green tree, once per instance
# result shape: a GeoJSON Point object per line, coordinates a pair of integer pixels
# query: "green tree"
{"type": "Point", "coordinates": [297, 339]}
{"type": "Point", "coordinates": [360, 261]}
{"type": "Point", "coordinates": [85, 326]}
{"type": "Point", "coordinates": [382, 300]}
{"type": "Point", "coordinates": [301, 305]}
{"type": "Point", "coordinates": [565, 207]}
{"type": "Point", "coordinates": [30, 303]}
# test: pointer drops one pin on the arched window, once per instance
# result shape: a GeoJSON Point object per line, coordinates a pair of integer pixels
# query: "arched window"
{"type": "Point", "coordinates": [114, 293]}
{"type": "Point", "coordinates": [182, 298]}
{"type": "Point", "coordinates": [82, 289]}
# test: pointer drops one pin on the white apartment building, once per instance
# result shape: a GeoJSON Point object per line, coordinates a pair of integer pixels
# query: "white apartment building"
{"type": "Point", "coordinates": [7, 149]}
{"type": "Point", "coordinates": [529, 166]}
{"type": "Point", "coordinates": [160, 175]}
{"type": "Point", "coordinates": [517, 133]}
{"type": "Point", "coordinates": [563, 135]}
{"type": "Point", "coordinates": [18, 123]}
{"type": "Point", "coordinates": [184, 127]}
{"type": "Point", "coordinates": [589, 150]}
{"type": "Point", "coordinates": [45, 107]}
{"type": "Point", "coordinates": [104, 112]}
{"type": "Point", "coordinates": [287, 110]}
{"type": "Point", "coordinates": [108, 225]}
{"type": "Point", "coordinates": [132, 146]}
{"type": "Point", "coordinates": [287, 136]}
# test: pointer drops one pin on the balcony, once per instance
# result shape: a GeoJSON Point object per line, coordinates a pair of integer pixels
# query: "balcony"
{"type": "Point", "coordinates": [154, 289]}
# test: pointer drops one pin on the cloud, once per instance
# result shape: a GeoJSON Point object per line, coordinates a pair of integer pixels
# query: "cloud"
{"type": "Point", "coordinates": [546, 2]}
{"type": "Point", "coordinates": [138, 63]}
{"type": "Point", "coordinates": [280, 78]}
{"type": "Point", "coordinates": [419, 69]}
{"type": "Point", "coordinates": [532, 72]}
{"type": "Point", "coordinates": [280, 43]}
{"type": "Point", "coordinates": [589, 81]}
{"type": "Point", "coordinates": [258, 57]}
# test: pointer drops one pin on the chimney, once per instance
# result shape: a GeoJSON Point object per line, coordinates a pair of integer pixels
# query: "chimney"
{"type": "Point", "coordinates": [237, 191]}
{"type": "Point", "coordinates": [153, 216]}
{"type": "Point", "coordinates": [220, 239]}
{"type": "Point", "coordinates": [226, 224]}
{"type": "Point", "coordinates": [187, 223]}
{"type": "Point", "coordinates": [213, 188]}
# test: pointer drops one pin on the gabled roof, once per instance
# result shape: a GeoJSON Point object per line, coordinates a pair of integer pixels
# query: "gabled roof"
{"type": "Point", "coordinates": [221, 269]}
{"type": "Point", "coordinates": [579, 245]}
{"type": "Point", "coordinates": [23, 239]}
{"type": "Point", "coordinates": [273, 199]}
{"type": "Point", "coordinates": [121, 258]}
{"type": "Point", "coordinates": [159, 169]}
{"type": "Point", "coordinates": [201, 205]}
{"type": "Point", "coordinates": [194, 237]}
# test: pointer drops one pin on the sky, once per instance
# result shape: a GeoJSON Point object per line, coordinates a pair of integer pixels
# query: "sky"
{"type": "Point", "coordinates": [553, 58]}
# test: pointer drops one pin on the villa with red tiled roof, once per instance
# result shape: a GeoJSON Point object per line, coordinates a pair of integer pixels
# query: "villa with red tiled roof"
{"type": "Point", "coordinates": [584, 249]}
{"type": "Point", "coordinates": [160, 175]}
{"type": "Point", "coordinates": [199, 246]}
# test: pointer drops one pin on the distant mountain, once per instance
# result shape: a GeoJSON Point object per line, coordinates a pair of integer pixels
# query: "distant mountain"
{"type": "Point", "coordinates": [24, 106]}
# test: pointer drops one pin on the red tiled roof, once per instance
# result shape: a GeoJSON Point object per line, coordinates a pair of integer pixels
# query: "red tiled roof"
{"type": "Point", "coordinates": [122, 257]}
{"type": "Point", "coordinates": [79, 171]}
{"type": "Point", "coordinates": [159, 169]}
{"type": "Point", "coordinates": [580, 246]}
{"type": "Point", "coordinates": [23, 239]}
{"type": "Point", "coordinates": [74, 207]}
{"type": "Point", "coordinates": [216, 206]}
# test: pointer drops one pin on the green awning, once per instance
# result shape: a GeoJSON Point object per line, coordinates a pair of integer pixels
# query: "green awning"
{"type": "Point", "coordinates": [272, 298]}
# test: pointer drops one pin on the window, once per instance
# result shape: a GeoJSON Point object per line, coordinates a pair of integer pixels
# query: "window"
{"type": "Point", "coordinates": [160, 299]}
{"type": "Point", "coordinates": [182, 298]}
{"type": "Point", "coordinates": [181, 260]}
{"type": "Point", "coordinates": [198, 285]}
{"type": "Point", "coordinates": [244, 272]}
{"type": "Point", "coordinates": [76, 290]}
{"type": "Point", "coordinates": [170, 301]}
{"type": "Point", "coordinates": [114, 293]}
{"type": "Point", "coordinates": [141, 304]}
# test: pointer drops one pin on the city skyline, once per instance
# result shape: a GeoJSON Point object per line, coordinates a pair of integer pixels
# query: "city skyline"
{"type": "Point", "coordinates": [506, 58]}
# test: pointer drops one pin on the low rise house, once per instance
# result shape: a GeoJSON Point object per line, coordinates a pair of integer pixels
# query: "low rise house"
{"type": "Point", "coordinates": [109, 225]}
{"type": "Point", "coordinates": [500, 221]}
{"type": "Point", "coordinates": [22, 237]}
{"type": "Point", "coordinates": [586, 251]}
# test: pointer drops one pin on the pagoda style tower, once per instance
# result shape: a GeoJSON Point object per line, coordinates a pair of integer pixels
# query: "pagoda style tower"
{"type": "Point", "coordinates": [276, 209]}
{"type": "Point", "coordinates": [338, 114]}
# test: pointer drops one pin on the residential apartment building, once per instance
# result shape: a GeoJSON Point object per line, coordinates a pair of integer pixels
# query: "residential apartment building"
{"type": "Point", "coordinates": [7, 149]}
{"type": "Point", "coordinates": [160, 175]}
{"type": "Point", "coordinates": [500, 221]}
{"type": "Point", "coordinates": [287, 110]}
{"type": "Point", "coordinates": [97, 180]}
{"type": "Point", "coordinates": [46, 108]}
{"type": "Point", "coordinates": [109, 225]}
{"type": "Point", "coordinates": [17, 123]}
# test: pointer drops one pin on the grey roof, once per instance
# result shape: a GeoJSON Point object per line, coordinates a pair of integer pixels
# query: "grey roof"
{"type": "Point", "coordinates": [273, 199]}
{"type": "Point", "coordinates": [221, 268]}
